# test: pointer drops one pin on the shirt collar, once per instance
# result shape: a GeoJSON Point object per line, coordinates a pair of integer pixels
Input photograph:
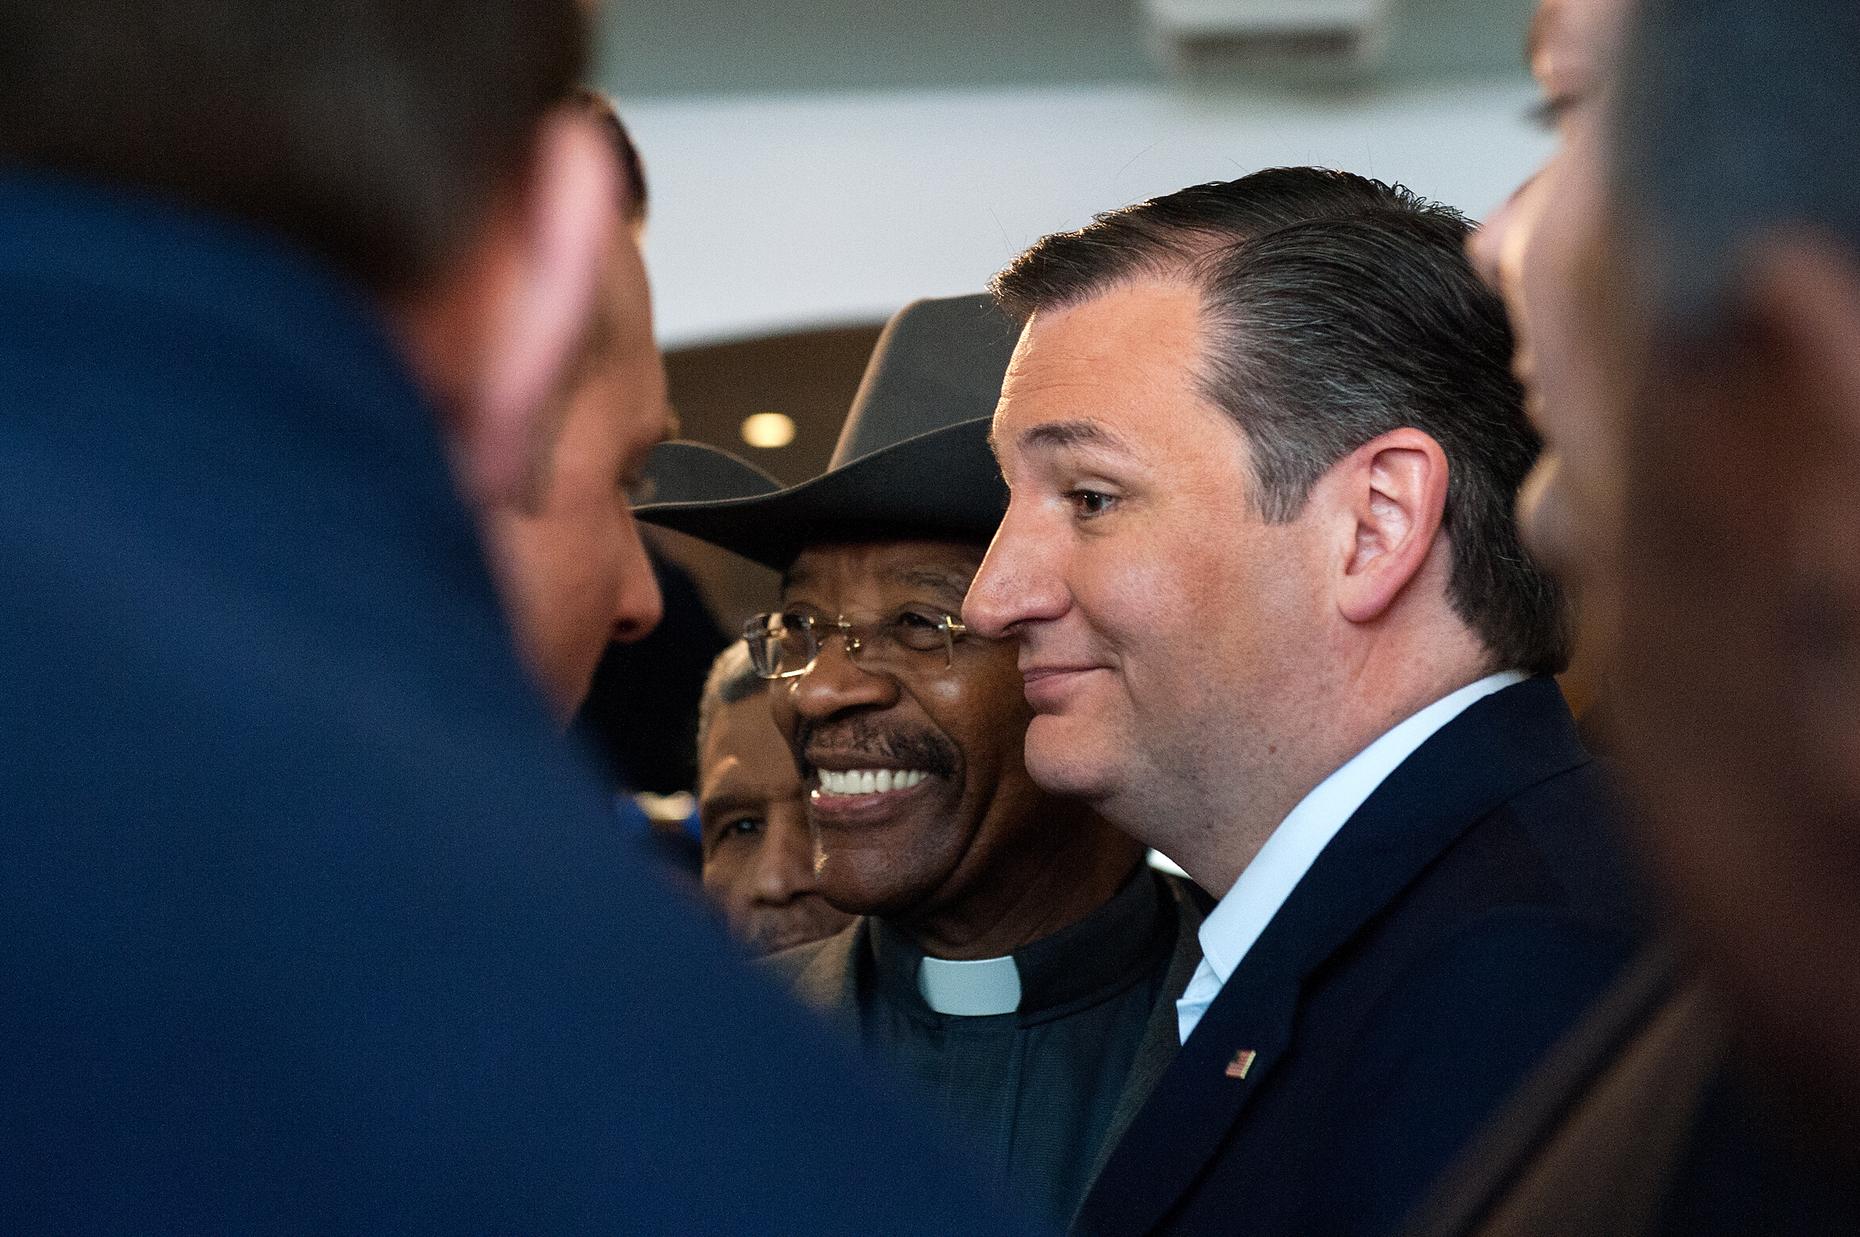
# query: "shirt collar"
{"type": "Point", "coordinates": [1234, 925]}
{"type": "Point", "coordinates": [972, 989]}
{"type": "Point", "coordinates": [1088, 961]}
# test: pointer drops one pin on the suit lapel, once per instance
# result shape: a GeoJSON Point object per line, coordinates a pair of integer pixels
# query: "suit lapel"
{"type": "Point", "coordinates": [1160, 1042]}
{"type": "Point", "coordinates": [1500, 745]}
{"type": "Point", "coordinates": [1195, 1102]}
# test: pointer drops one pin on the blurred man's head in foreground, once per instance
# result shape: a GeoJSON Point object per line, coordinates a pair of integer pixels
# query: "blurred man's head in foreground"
{"type": "Point", "coordinates": [567, 553]}
{"type": "Point", "coordinates": [1690, 290]}
{"type": "Point", "coordinates": [480, 203]}
{"type": "Point", "coordinates": [1736, 309]}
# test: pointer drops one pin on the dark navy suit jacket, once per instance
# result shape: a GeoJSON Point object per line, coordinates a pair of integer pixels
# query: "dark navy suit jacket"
{"type": "Point", "coordinates": [307, 921]}
{"type": "Point", "coordinates": [1464, 916]}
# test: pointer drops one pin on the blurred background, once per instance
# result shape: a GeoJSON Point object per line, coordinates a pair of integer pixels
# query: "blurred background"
{"type": "Point", "coordinates": [816, 164]}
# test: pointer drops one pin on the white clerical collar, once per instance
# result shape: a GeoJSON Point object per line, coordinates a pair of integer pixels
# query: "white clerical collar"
{"type": "Point", "coordinates": [1230, 930]}
{"type": "Point", "coordinates": [972, 989]}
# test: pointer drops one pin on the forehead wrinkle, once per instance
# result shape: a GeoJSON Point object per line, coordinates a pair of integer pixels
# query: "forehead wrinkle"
{"type": "Point", "coordinates": [953, 580]}
{"type": "Point", "coordinates": [723, 782]}
{"type": "Point", "coordinates": [934, 579]}
{"type": "Point", "coordinates": [1143, 335]}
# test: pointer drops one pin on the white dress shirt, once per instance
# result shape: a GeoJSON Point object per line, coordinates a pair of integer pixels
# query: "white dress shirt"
{"type": "Point", "coordinates": [1236, 922]}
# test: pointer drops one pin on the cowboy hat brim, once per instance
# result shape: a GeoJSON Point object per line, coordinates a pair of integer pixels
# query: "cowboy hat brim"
{"type": "Point", "coordinates": [943, 484]}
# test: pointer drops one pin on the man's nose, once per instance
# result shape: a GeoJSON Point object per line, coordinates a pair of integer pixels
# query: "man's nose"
{"type": "Point", "coordinates": [837, 681]}
{"type": "Point", "coordinates": [785, 861]}
{"type": "Point", "coordinates": [1495, 242]}
{"type": "Point", "coordinates": [1017, 582]}
{"type": "Point", "coordinates": [1482, 247]}
{"type": "Point", "coordinates": [638, 604]}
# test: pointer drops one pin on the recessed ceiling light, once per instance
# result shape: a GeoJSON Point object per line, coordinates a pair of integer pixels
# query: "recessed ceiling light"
{"type": "Point", "coordinates": [768, 429]}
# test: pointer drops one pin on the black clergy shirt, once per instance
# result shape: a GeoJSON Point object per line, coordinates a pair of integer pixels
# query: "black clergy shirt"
{"type": "Point", "coordinates": [1035, 1090]}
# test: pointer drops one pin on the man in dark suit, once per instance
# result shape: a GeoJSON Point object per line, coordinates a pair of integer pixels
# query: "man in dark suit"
{"type": "Point", "coordinates": [311, 924]}
{"type": "Point", "coordinates": [1274, 619]}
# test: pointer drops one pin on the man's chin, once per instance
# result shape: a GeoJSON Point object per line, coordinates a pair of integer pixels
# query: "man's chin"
{"type": "Point", "coordinates": [850, 886]}
{"type": "Point", "coordinates": [1559, 525]}
{"type": "Point", "coordinates": [1061, 758]}
{"type": "Point", "coordinates": [1543, 512]}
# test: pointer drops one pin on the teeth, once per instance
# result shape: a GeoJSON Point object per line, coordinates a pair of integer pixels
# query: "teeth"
{"type": "Point", "coordinates": [868, 781]}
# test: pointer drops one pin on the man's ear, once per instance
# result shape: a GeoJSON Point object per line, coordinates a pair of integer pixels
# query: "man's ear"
{"type": "Point", "coordinates": [544, 258]}
{"type": "Point", "coordinates": [1391, 495]}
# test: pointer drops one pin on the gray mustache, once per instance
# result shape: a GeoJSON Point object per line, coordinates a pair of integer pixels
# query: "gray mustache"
{"type": "Point", "coordinates": [914, 749]}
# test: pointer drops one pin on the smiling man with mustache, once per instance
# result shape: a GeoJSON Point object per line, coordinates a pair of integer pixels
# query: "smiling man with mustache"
{"type": "Point", "coordinates": [1013, 950]}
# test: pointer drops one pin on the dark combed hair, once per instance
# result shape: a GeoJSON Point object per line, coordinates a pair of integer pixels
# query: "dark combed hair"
{"type": "Point", "coordinates": [1336, 309]}
{"type": "Point", "coordinates": [1737, 119]}
{"type": "Point", "coordinates": [374, 134]}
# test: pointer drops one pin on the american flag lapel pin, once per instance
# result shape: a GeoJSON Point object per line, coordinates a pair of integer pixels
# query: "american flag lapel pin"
{"type": "Point", "coordinates": [1242, 1062]}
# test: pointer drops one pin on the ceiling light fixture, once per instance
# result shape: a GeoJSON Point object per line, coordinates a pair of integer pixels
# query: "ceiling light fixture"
{"type": "Point", "coordinates": [768, 430]}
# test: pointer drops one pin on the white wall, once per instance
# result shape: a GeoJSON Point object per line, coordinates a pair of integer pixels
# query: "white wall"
{"type": "Point", "coordinates": [778, 213]}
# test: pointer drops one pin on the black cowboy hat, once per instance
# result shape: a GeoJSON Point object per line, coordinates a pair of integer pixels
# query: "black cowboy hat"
{"type": "Point", "coordinates": [912, 461]}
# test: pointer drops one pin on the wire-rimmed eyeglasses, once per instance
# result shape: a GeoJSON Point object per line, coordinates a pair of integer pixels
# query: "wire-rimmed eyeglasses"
{"type": "Point", "coordinates": [785, 645]}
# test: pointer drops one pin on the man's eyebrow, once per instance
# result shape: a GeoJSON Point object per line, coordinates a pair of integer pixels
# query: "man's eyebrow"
{"type": "Point", "coordinates": [727, 798]}
{"type": "Point", "coordinates": [637, 458]}
{"type": "Point", "coordinates": [1055, 435]}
